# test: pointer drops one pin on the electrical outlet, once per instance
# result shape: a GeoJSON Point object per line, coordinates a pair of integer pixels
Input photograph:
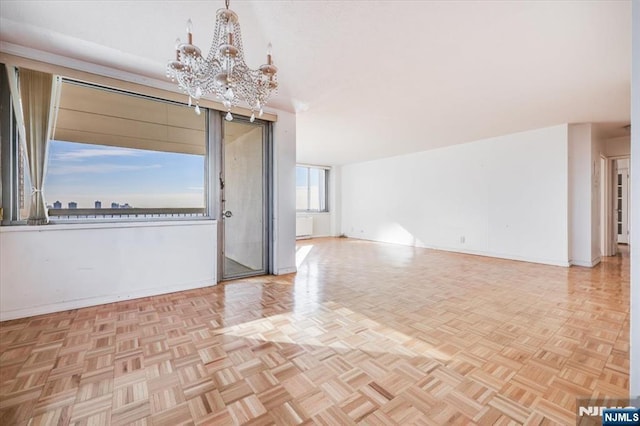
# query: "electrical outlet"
{"type": "Point", "coordinates": [462, 239]}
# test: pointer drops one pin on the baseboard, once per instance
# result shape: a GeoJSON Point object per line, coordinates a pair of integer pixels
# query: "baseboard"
{"type": "Point", "coordinates": [284, 271]}
{"type": "Point", "coordinates": [551, 262]}
{"type": "Point", "coordinates": [98, 300]}
{"type": "Point", "coordinates": [586, 263]}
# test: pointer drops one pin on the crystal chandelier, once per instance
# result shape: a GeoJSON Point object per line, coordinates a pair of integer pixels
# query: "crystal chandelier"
{"type": "Point", "coordinates": [223, 72]}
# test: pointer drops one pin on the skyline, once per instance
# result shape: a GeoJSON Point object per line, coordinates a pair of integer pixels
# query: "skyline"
{"type": "Point", "coordinates": [85, 173]}
{"type": "Point", "coordinates": [97, 205]}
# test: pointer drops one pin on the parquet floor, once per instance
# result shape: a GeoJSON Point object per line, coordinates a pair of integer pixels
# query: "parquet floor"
{"type": "Point", "coordinates": [365, 333]}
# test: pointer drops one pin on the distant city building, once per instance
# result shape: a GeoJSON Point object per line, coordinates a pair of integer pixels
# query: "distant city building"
{"type": "Point", "coordinates": [57, 205]}
{"type": "Point", "coordinates": [121, 206]}
{"type": "Point", "coordinates": [98, 204]}
{"type": "Point", "coordinates": [73, 205]}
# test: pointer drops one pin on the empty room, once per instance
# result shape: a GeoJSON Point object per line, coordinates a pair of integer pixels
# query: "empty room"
{"type": "Point", "coordinates": [319, 212]}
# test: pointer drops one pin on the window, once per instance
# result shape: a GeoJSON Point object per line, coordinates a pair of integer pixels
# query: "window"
{"type": "Point", "coordinates": [86, 176]}
{"type": "Point", "coordinates": [311, 189]}
{"type": "Point", "coordinates": [15, 184]}
{"type": "Point", "coordinates": [120, 155]}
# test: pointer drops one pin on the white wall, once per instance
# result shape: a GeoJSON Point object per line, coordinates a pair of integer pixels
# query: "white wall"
{"type": "Point", "coordinates": [617, 147]}
{"type": "Point", "coordinates": [56, 267]}
{"type": "Point", "coordinates": [584, 196]}
{"type": "Point", "coordinates": [321, 223]}
{"type": "Point", "coordinates": [634, 375]}
{"type": "Point", "coordinates": [503, 197]}
{"type": "Point", "coordinates": [335, 200]}
{"type": "Point", "coordinates": [284, 212]}
{"type": "Point", "coordinates": [596, 221]}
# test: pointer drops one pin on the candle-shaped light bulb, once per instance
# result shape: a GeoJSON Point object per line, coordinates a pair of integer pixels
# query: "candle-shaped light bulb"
{"type": "Point", "coordinates": [190, 31]}
{"type": "Point", "coordinates": [229, 30]}
{"type": "Point", "coordinates": [269, 49]}
{"type": "Point", "coordinates": [177, 49]}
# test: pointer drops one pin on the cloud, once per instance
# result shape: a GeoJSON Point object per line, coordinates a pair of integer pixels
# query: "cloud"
{"type": "Point", "coordinates": [81, 154]}
{"type": "Point", "coordinates": [98, 168]}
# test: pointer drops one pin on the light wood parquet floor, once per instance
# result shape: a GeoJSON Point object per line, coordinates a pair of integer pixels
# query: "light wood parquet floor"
{"type": "Point", "coordinates": [365, 333]}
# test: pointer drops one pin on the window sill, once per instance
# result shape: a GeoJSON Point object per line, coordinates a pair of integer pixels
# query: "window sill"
{"type": "Point", "coordinates": [106, 225]}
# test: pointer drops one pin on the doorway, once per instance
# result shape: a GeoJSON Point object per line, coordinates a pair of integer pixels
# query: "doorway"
{"type": "Point", "coordinates": [602, 185]}
{"type": "Point", "coordinates": [621, 201]}
{"type": "Point", "coordinates": [244, 199]}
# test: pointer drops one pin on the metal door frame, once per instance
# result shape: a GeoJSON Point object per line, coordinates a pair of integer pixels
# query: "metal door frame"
{"type": "Point", "coordinates": [217, 139]}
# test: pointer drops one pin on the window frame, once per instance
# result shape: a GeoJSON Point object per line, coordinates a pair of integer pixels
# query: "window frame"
{"type": "Point", "coordinates": [9, 156]}
{"type": "Point", "coordinates": [10, 167]}
{"type": "Point", "coordinates": [150, 215]}
{"type": "Point", "coordinates": [323, 200]}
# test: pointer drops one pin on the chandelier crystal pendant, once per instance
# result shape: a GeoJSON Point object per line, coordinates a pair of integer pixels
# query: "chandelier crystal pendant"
{"type": "Point", "coordinates": [223, 72]}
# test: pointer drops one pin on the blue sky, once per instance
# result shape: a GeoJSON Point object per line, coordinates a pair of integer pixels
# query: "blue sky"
{"type": "Point", "coordinates": [85, 173]}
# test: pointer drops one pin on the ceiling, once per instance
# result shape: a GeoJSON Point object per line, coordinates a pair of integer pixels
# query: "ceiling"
{"type": "Point", "coordinates": [370, 79]}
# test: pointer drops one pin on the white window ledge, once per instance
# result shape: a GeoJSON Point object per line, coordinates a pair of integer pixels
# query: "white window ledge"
{"type": "Point", "coordinates": [105, 225]}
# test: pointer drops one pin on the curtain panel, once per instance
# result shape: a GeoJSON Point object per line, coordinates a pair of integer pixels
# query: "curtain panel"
{"type": "Point", "coordinates": [37, 98]}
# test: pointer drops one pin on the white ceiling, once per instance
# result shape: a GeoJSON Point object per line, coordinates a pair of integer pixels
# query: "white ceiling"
{"type": "Point", "coordinates": [370, 79]}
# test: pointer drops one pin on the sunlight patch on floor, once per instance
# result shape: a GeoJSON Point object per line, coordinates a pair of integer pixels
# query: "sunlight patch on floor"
{"type": "Point", "coordinates": [334, 326]}
{"type": "Point", "coordinates": [301, 254]}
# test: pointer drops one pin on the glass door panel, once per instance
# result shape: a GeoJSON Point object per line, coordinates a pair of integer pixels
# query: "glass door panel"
{"type": "Point", "coordinates": [243, 199]}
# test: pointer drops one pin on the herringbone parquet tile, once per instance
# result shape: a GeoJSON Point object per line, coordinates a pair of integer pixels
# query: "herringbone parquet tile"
{"type": "Point", "coordinates": [365, 333]}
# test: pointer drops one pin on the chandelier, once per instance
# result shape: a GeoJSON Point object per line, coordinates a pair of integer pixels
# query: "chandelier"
{"type": "Point", "coordinates": [223, 72]}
